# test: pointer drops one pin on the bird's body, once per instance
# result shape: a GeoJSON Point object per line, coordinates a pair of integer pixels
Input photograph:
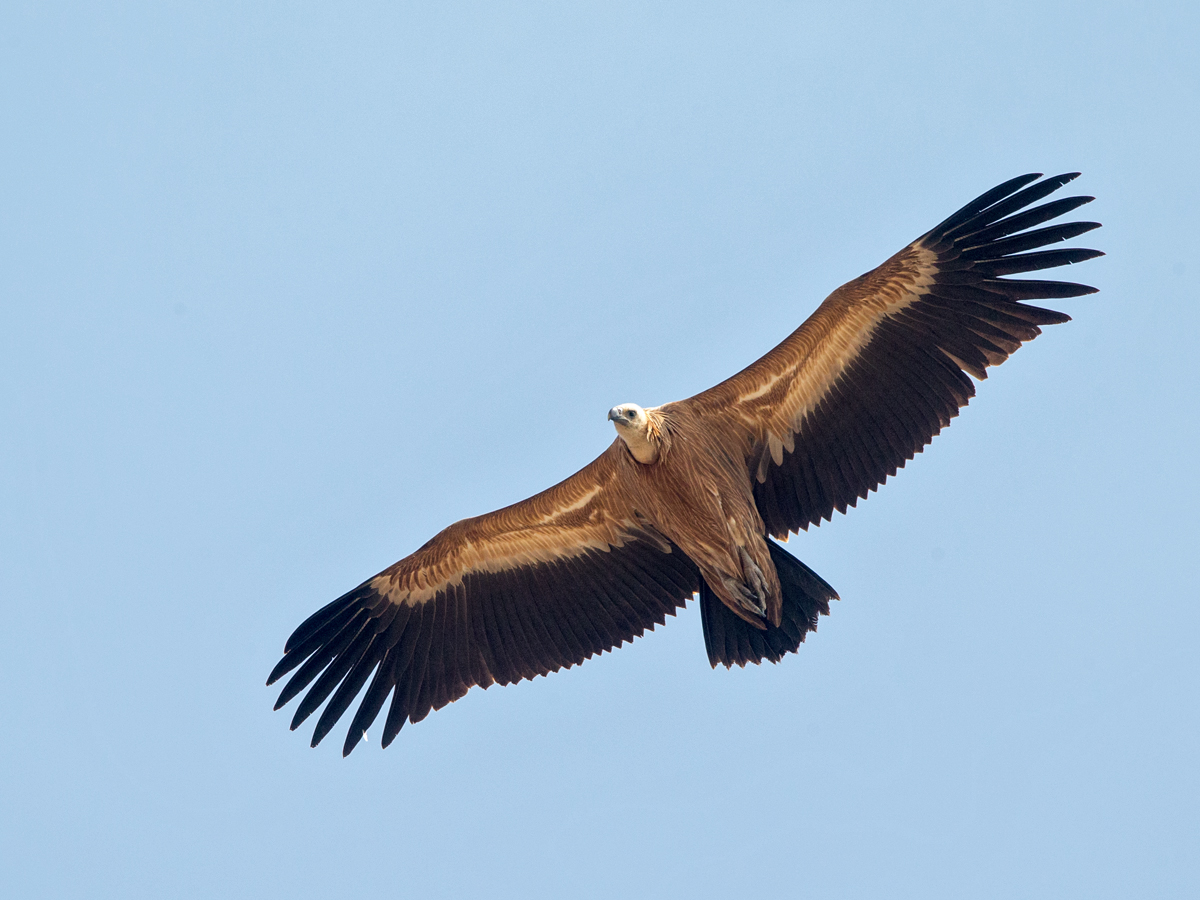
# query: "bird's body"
{"type": "Point", "coordinates": [699, 495]}
{"type": "Point", "coordinates": [690, 494]}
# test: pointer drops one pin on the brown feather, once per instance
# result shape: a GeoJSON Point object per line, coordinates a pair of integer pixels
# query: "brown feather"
{"type": "Point", "coordinates": [815, 425]}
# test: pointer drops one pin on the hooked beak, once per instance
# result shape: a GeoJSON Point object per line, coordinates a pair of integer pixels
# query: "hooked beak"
{"type": "Point", "coordinates": [614, 414]}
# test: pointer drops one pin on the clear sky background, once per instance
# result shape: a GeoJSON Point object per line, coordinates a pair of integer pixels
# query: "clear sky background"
{"type": "Point", "coordinates": [280, 285]}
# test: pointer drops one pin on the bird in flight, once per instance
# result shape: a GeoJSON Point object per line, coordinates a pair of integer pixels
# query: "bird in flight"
{"type": "Point", "coordinates": [691, 495]}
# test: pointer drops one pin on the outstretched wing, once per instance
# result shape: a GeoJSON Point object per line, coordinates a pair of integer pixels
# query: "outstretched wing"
{"type": "Point", "coordinates": [523, 591]}
{"type": "Point", "coordinates": [880, 368]}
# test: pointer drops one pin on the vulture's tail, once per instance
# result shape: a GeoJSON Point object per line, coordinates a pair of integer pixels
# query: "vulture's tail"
{"type": "Point", "coordinates": [731, 640]}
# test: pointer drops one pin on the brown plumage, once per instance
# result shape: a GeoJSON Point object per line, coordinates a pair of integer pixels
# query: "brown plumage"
{"type": "Point", "coordinates": [687, 498]}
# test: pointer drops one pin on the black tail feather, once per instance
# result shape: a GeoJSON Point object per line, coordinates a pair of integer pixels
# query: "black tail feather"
{"type": "Point", "coordinates": [731, 640]}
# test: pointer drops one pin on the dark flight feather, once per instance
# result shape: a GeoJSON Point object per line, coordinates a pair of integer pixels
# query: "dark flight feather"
{"type": "Point", "coordinates": [811, 428]}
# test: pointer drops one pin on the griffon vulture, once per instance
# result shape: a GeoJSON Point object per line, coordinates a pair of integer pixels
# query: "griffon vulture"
{"type": "Point", "coordinates": [689, 496]}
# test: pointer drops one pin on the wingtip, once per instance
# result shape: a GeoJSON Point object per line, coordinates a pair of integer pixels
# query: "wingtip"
{"type": "Point", "coordinates": [388, 736]}
{"type": "Point", "coordinates": [299, 717]}
{"type": "Point", "coordinates": [281, 668]}
{"type": "Point", "coordinates": [352, 738]}
{"type": "Point", "coordinates": [318, 736]}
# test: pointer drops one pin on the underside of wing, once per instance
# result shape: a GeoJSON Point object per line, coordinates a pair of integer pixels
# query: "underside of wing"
{"type": "Point", "coordinates": [517, 593]}
{"type": "Point", "coordinates": [881, 366]}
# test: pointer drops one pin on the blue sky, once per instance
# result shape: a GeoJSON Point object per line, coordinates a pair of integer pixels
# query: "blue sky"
{"type": "Point", "coordinates": [273, 278]}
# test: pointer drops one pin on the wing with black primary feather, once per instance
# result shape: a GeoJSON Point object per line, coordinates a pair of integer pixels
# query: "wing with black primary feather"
{"type": "Point", "coordinates": [520, 592]}
{"type": "Point", "coordinates": [824, 418]}
{"type": "Point", "coordinates": [881, 366]}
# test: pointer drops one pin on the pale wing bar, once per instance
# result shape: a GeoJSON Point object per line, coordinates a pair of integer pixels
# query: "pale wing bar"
{"type": "Point", "coordinates": [492, 627]}
{"type": "Point", "coordinates": [909, 380]}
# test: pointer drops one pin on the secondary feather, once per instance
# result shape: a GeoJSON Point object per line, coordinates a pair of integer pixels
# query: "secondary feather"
{"type": "Point", "coordinates": [687, 496]}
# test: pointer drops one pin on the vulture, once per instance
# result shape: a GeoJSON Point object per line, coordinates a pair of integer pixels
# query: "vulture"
{"type": "Point", "coordinates": [691, 496]}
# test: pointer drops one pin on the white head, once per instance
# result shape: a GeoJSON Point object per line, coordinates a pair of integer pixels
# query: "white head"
{"type": "Point", "coordinates": [636, 430]}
